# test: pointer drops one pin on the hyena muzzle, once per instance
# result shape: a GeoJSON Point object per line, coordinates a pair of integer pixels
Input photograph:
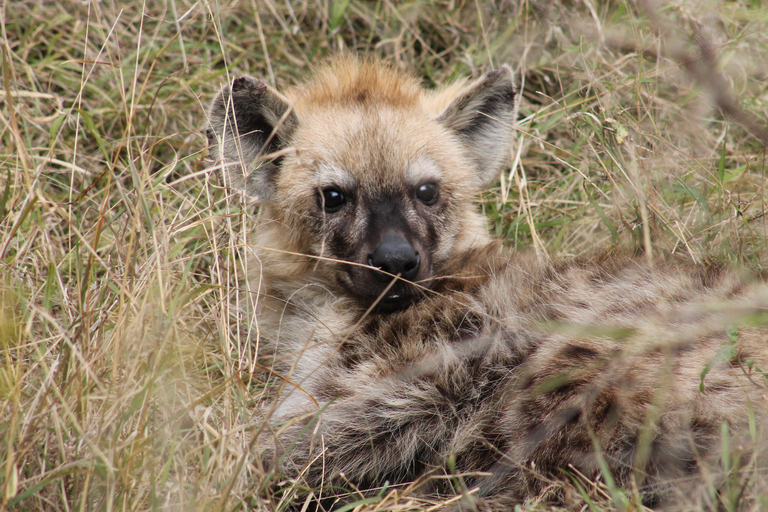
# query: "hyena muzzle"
{"type": "Point", "coordinates": [414, 347]}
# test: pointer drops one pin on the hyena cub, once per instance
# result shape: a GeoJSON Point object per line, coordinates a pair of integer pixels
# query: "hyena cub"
{"type": "Point", "coordinates": [413, 346]}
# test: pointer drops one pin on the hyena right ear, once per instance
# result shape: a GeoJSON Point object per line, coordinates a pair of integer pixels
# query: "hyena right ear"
{"type": "Point", "coordinates": [483, 115]}
{"type": "Point", "coordinates": [248, 119]}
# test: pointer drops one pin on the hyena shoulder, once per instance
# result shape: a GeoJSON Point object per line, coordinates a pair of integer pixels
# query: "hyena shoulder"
{"type": "Point", "coordinates": [415, 345]}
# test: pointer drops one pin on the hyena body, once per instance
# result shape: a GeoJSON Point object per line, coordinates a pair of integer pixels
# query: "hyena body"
{"type": "Point", "coordinates": [475, 361]}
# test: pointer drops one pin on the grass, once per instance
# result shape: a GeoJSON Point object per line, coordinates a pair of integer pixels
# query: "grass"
{"type": "Point", "coordinates": [126, 381]}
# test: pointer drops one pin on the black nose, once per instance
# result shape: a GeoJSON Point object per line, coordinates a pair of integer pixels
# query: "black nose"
{"type": "Point", "coordinates": [395, 255]}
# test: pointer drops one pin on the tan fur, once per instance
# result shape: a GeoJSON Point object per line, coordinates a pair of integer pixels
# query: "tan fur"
{"type": "Point", "coordinates": [498, 362]}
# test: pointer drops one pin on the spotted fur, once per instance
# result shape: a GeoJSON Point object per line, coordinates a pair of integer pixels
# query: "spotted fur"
{"type": "Point", "coordinates": [504, 370]}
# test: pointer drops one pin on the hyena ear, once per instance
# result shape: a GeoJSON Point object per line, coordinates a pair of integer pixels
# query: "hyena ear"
{"type": "Point", "coordinates": [248, 119]}
{"type": "Point", "coordinates": [483, 115]}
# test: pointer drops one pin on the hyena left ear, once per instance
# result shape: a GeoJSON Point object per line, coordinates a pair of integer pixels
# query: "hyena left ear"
{"type": "Point", "coordinates": [483, 115]}
{"type": "Point", "coordinates": [249, 119]}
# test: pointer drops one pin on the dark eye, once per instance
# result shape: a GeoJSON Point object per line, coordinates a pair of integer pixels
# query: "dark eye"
{"type": "Point", "coordinates": [427, 193]}
{"type": "Point", "coordinates": [331, 199]}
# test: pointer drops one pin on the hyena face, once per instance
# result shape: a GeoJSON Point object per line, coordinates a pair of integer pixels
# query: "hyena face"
{"type": "Point", "coordinates": [371, 175]}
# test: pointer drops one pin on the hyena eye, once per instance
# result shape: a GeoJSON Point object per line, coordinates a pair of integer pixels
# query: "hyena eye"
{"type": "Point", "coordinates": [427, 193]}
{"type": "Point", "coordinates": [331, 199]}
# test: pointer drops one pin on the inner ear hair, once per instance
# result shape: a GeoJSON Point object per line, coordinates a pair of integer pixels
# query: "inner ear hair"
{"type": "Point", "coordinates": [247, 120]}
{"type": "Point", "coordinates": [483, 116]}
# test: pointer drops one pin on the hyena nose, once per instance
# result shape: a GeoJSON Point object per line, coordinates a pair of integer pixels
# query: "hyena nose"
{"type": "Point", "coordinates": [395, 255]}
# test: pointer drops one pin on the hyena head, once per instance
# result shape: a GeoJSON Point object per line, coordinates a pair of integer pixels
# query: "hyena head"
{"type": "Point", "coordinates": [365, 172]}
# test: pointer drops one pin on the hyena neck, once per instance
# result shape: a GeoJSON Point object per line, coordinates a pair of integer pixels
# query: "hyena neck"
{"type": "Point", "coordinates": [300, 303]}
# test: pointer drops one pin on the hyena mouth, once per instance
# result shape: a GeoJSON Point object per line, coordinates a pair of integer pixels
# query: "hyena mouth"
{"type": "Point", "coordinates": [381, 290]}
{"type": "Point", "coordinates": [392, 302]}
{"type": "Point", "coordinates": [377, 289]}
{"type": "Point", "coordinates": [381, 297]}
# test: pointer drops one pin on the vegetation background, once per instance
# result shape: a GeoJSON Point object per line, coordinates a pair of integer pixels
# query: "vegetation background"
{"type": "Point", "coordinates": [126, 378]}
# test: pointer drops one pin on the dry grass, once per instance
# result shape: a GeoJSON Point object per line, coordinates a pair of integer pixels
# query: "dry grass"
{"type": "Point", "coordinates": [126, 381]}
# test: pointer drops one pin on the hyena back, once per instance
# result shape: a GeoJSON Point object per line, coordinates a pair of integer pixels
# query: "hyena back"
{"type": "Point", "coordinates": [414, 345]}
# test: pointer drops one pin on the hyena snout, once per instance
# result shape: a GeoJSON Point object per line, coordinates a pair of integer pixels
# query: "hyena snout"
{"type": "Point", "coordinates": [395, 255]}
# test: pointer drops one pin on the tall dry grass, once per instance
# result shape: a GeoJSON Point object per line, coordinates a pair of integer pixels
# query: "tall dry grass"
{"type": "Point", "coordinates": [127, 378]}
